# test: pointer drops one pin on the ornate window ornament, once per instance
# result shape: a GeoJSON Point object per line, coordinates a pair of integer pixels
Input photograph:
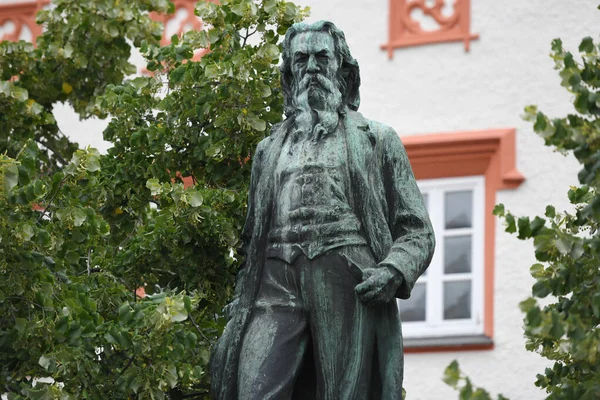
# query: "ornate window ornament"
{"type": "Point", "coordinates": [17, 20]}
{"type": "Point", "coordinates": [405, 30]}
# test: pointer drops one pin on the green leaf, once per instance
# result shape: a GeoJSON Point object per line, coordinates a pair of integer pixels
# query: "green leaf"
{"type": "Point", "coordinates": [557, 45]}
{"type": "Point", "coordinates": [93, 164]}
{"type": "Point", "coordinates": [177, 74]}
{"type": "Point", "coordinates": [537, 270]}
{"type": "Point", "coordinates": [524, 228]}
{"type": "Point", "coordinates": [44, 362]}
{"type": "Point", "coordinates": [499, 210]}
{"type": "Point", "coordinates": [577, 250]}
{"type": "Point", "coordinates": [511, 227]}
{"type": "Point", "coordinates": [171, 376]}
{"type": "Point", "coordinates": [11, 177]}
{"type": "Point", "coordinates": [110, 338]}
{"type": "Point", "coordinates": [533, 317]}
{"type": "Point", "coordinates": [564, 244]}
{"type": "Point", "coordinates": [19, 93]}
{"type": "Point", "coordinates": [577, 194]}
{"type": "Point", "coordinates": [265, 91]}
{"type": "Point", "coordinates": [587, 45]}
{"type": "Point", "coordinates": [5, 88]}
{"type": "Point", "coordinates": [540, 289]}
{"type": "Point", "coordinates": [20, 324]}
{"type": "Point", "coordinates": [540, 122]}
{"type": "Point", "coordinates": [78, 236]}
{"type": "Point", "coordinates": [270, 51]}
{"type": "Point", "coordinates": [270, 6]}
{"type": "Point", "coordinates": [557, 330]}
{"type": "Point", "coordinates": [125, 314]}
{"type": "Point", "coordinates": [452, 374]}
{"type": "Point", "coordinates": [113, 30]}
{"type": "Point", "coordinates": [26, 232]}
{"type": "Point", "coordinates": [154, 186]}
{"type": "Point", "coordinates": [196, 199]}
{"type": "Point", "coordinates": [257, 123]}
{"type": "Point", "coordinates": [238, 9]}
{"type": "Point", "coordinates": [78, 216]}
{"type": "Point", "coordinates": [536, 225]}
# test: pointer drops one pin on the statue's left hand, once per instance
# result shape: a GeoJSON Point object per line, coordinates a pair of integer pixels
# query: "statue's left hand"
{"type": "Point", "coordinates": [379, 285]}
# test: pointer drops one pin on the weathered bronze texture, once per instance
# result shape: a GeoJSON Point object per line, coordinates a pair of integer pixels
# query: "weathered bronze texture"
{"type": "Point", "coordinates": [336, 230]}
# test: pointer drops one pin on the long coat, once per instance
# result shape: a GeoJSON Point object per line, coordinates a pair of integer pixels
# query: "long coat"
{"type": "Point", "coordinates": [387, 202]}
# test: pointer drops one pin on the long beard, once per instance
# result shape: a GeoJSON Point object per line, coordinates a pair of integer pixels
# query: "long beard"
{"type": "Point", "coordinates": [318, 103]}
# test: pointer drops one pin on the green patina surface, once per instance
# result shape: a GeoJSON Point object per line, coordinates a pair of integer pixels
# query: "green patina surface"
{"type": "Point", "coordinates": [336, 229]}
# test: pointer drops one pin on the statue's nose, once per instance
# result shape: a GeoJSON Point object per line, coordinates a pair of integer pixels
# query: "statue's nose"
{"type": "Point", "coordinates": [312, 64]}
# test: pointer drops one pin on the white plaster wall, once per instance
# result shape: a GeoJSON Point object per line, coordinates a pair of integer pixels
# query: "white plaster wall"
{"type": "Point", "coordinates": [440, 88]}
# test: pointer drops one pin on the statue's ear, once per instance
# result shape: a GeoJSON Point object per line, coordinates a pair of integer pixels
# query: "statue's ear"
{"type": "Point", "coordinates": [351, 75]}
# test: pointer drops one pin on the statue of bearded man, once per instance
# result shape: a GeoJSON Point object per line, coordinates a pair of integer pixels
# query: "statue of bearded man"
{"type": "Point", "coordinates": [336, 230]}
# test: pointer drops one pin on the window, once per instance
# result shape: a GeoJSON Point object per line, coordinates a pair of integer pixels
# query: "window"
{"type": "Point", "coordinates": [482, 162]}
{"type": "Point", "coordinates": [448, 299]}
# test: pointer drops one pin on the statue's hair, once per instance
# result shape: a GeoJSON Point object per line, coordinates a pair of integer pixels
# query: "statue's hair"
{"type": "Point", "coordinates": [348, 73]}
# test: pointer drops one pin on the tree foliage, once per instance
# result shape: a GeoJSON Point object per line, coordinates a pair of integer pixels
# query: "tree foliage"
{"type": "Point", "coordinates": [80, 231]}
{"type": "Point", "coordinates": [567, 244]}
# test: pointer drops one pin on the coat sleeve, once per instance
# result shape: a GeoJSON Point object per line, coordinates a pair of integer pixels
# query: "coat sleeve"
{"type": "Point", "coordinates": [409, 224]}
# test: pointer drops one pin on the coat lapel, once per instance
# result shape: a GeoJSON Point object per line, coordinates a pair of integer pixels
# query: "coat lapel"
{"type": "Point", "coordinates": [364, 166]}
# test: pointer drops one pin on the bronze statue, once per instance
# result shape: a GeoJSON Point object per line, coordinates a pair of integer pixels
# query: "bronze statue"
{"type": "Point", "coordinates": [336, 229]}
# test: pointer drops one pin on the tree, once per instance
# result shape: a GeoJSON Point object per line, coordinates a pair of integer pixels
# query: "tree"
{"type": "Point", "coordinates": [80, 232]}
{"type": "Point", "coordinates": [567, 245]}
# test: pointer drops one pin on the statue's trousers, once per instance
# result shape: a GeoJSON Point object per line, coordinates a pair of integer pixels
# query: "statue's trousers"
{"type": "Point", "coordinates": [310, 337]}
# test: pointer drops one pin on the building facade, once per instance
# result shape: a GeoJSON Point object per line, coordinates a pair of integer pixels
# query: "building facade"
{"type": "Point", "coordinates": [458, 114]}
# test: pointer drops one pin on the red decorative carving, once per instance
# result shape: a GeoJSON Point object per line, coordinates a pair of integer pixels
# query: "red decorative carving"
{"type": "Point", "coordinates": [405, 31]}
{"type": "Point", "coordinates": [20, 15]}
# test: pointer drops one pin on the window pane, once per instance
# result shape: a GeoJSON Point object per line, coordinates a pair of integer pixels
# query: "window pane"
{"type": "Point", "coordinates": [459, 206]}
{"type": "Point", "coordinates": [413, 309]}
{"type": "Point", "coordinates": [457, 299]}
{"type": "Point", "coordinates": [457, 254]}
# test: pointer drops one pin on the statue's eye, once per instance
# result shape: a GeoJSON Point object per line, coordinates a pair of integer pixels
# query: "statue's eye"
{"type": "Point", "coordinates": [301, 57]}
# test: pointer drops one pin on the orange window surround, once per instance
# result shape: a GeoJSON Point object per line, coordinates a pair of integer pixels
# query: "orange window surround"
{"type": "Point", "coordinates": [405, 31]}
{"type": "Point", "coordinates": [490, 153]}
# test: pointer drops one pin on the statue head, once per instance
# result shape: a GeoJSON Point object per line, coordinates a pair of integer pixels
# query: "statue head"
{"type": "Point", "coordinates": [318, 55]}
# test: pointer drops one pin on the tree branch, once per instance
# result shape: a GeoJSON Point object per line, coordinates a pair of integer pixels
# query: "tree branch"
{"type": "Point", "coordinates": [198, 329]}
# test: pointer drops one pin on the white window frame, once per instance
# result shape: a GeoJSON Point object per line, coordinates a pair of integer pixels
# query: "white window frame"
{"type": "Point", "coordinates": [434, 324]}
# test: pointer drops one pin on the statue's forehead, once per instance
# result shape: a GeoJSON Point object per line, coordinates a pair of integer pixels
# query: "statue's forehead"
{"type": "Point", "coordinates": [312, 42]}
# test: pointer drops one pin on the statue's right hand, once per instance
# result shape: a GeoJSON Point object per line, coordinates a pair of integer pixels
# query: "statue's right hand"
{"type": "Point", "coordinates": [231, 309]}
